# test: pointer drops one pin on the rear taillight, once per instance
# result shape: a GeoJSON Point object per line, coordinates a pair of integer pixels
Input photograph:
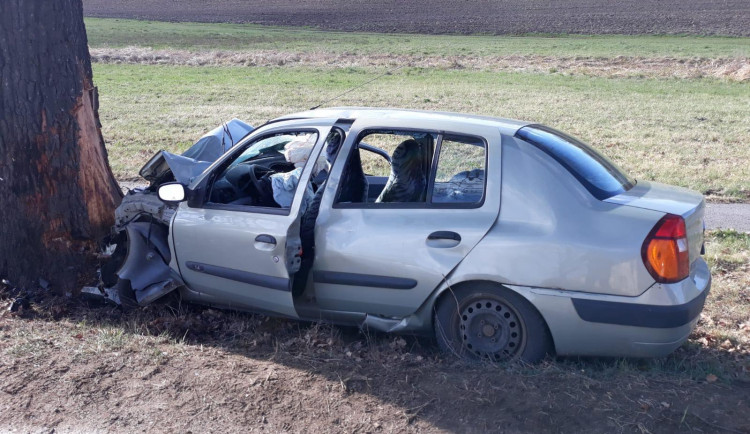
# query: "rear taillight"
{"type": "Point", "coordinates": [665, 250]}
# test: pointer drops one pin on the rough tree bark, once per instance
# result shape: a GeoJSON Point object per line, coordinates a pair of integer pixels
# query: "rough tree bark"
{"type": "Point", "coordinates": [57, 192]}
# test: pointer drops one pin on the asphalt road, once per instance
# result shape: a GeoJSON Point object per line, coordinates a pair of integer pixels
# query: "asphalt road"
{"type": "Point", "coordinates": [728, 216]}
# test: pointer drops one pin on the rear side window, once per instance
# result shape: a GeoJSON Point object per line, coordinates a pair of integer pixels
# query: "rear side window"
{"type": "Point", "coordinates": [459, 178]}
{"type": "Point", "coordinates": [601, 177]}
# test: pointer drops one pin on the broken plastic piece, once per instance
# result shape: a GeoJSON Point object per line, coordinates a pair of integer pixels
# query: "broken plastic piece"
{"type": "Point", "coordinates": [106, 294]}
{"type": "Point", "coordinates": [20, 302]}
{"type": "Point", "coordinates": [155, 291]}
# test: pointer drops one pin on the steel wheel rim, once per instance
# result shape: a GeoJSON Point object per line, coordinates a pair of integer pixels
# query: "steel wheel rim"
{"type": "Point", "coordinates": [491, 329]}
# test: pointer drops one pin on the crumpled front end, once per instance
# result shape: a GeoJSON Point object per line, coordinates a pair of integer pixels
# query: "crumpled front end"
{"type": "Point", "coordinates": [139, 266]}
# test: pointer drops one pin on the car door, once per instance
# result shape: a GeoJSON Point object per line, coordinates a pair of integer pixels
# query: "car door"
{"type": "Point", "coordinates": [387, 258]}
{"type": "Point", "coordinates": [238, 255]}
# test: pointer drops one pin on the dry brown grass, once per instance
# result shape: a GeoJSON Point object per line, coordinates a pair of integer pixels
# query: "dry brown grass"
{"type": "Point", "coordinates": [725, 322]}
{"type": "Point", "coordinates": [689, 133]}
{"type": "Point", "coordinates": [735, 69]}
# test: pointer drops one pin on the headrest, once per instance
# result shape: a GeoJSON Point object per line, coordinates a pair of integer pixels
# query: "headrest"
{"type": "Point", "coordinates": [407, 158]}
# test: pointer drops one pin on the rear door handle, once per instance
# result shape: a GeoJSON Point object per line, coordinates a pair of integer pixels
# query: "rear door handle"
{"type": "Point", "coordinates": [443, 239]}
{"type": "Point", "coordinates": [444, 235]}
{"type": "Point", "coordinates": [265, 242]}
{"type": "Point", "coordinates": [264, 238]}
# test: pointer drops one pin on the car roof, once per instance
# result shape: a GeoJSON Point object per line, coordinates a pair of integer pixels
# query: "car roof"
{"type": "Point", "coordinates": [507, 126]}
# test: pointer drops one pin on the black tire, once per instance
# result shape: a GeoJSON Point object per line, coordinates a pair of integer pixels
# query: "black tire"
{"type": "Point", "coordinates": [484, 321]}
{"type": "Point", "coordinates": [126, 294]}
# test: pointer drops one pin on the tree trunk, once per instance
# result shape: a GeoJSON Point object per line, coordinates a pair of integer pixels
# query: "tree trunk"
{"type": "Point", "coordinates": [57, 191]}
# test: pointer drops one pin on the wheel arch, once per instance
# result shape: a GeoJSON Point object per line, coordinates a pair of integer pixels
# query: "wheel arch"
{"type": "Point", "coordinates": [445, 290]}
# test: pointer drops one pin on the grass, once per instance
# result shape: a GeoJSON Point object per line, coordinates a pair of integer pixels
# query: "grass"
{"type": "Point", "coordinates": [725, 321]}
{"type": "Point", "coordinates": [688, 132]}
{"type": "Point", "coordinates": [730, 251]}
{"type": "Point", "coordinates": [732, 241]}
{"type": "Point", "coordinates": [210, 36]}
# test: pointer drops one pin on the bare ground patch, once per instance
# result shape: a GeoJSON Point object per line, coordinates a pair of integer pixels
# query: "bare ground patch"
{"type": "Point", "coordinates": [736, 69]}
{"type": "Point", "coordinates": [70, 368]}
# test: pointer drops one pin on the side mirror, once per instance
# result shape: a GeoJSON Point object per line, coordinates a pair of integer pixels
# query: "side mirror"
{"type": "Point", "coordinates": [171, 192]}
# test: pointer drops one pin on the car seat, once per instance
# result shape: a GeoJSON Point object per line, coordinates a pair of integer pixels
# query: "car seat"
{"type": "Point", "coordinates": [463, 187]}
{"type": "Point", "coordinates": [408, 180]}
{"type": "Point", "coordinates": [354, 184]}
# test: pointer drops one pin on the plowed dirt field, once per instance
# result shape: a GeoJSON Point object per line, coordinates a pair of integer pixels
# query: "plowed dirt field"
{"type": "Point", "coordinates": [729, 17]}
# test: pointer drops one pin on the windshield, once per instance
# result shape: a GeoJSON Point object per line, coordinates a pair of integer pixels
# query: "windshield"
{"type": "Point", "coordinates": [596, 172]}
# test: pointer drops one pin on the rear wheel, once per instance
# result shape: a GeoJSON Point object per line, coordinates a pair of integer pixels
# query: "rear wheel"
{"type": "Point", "coordinates": [487, 322]}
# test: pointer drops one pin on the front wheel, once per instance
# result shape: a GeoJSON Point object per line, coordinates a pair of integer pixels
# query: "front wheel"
{"type": "Point", "coordinates": [487, 322]}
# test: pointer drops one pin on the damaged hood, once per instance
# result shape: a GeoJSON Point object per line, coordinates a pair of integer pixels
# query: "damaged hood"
{"type": "Point", "coordinates": [195, 160]}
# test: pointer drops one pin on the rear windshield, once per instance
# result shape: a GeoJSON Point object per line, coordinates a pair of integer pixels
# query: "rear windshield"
{"type": "Point", "coordinates": [600, 176]}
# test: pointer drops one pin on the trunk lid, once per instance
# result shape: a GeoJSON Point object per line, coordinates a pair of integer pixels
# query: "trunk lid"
{"type": "Point", "coordinates": [685, 203]}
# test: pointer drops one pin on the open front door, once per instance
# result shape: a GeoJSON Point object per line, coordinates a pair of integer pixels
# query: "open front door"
{"type": "Point", "coordinates": [232, 249]}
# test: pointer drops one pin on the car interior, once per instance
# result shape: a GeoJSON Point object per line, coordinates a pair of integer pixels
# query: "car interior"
{"type": "Point", "coordinates": [370, 176]}
{"type": "Point", "coordinates": [247, 179]}
{"type": "Point", "coordinates": [402, 179]}
{"type": "Point", "coordinates": [458, 174]}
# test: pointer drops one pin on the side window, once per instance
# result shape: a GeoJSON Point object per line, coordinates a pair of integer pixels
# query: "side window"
{"type": "Point", "coordinates": [374, 164]}
{"type": "Point", "coordinates": [369, 179]}
{"type": "Point", "coordinates": [266, 172]}
{"type": "Point", "coordinates": [460, 173]}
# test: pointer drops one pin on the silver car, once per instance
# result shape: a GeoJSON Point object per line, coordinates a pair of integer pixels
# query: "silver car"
{"type": "Point", "coordinates": [504, 239]}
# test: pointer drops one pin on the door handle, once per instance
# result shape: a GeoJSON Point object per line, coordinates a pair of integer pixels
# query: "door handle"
{"type": "Point", "coordinates": [264, 238]}
{"type": "Point", "coordinates": [443, 239]}
{"type": "Point", "coordinates": [444, 235]}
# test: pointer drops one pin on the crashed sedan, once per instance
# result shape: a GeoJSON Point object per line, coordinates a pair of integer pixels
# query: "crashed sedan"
{"type": "Point", "coordinates": [504, 239]}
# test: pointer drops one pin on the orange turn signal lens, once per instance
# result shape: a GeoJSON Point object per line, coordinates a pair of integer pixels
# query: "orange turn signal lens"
{"type": "Point", "coordinates": [665, 250]}
{"type": "Point", "coordinates": [666, 260]}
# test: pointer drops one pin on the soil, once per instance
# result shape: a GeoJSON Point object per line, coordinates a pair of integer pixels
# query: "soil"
{"type": "Point", "coordinates": [68, 366]}
{"type": "Point", "coordinates": [704, 17]}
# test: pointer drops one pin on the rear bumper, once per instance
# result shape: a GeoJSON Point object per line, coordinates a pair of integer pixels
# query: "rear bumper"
{"type": "Point", "coordinates": [640, 315]}
{"type": "Point", "coordinates": [651, 325]}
